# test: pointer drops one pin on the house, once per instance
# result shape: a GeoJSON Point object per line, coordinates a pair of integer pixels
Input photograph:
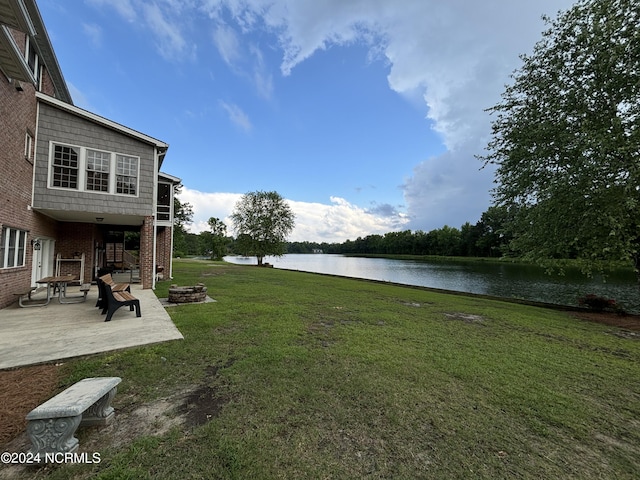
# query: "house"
{"type": "Point", "coordinates": [79, 193]}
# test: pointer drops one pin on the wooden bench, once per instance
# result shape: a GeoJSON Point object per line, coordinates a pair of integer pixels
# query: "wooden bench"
{"type": "Point", "coordinates": [52, 425]}
{"type": "Point", "coordinates": [115, 300]}
{"type": "Point", "coordinates": [115, 287]}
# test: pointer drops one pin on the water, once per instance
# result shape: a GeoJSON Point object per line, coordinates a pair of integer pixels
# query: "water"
{"type": "Point", "coordinates": [497, 279]}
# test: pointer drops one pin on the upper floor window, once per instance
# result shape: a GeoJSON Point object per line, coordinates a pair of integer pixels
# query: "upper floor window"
{"type": "Point", "coordinates": [65, 167]}
{"type": "Point", "coordinates": [127, 174]}
{"type": "Point", "coordinates": [12, 247]}
{"type": "Point", "coordinates": [31, 56]}
{"type": "Point", "coordinates": [98, 170]}
{"type": "Point", "coordinates": [85, 169]}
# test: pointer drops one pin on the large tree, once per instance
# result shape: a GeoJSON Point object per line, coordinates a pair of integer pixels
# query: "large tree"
{"type": "Point", "coordinates": [566, 140]}
{"type": "Point", "coordinates": [218, 238]}
{"type": "Point", "coordinates": [263, 220]}
{"type": "Point", "coordinates": [182, 215]}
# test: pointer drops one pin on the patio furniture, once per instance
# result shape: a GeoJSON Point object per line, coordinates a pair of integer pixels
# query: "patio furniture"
{"type": "Point", "coordinates": [51, 426]}
{"type": "Point", "coordinates": [27, 293]}
{"type": "Point", "coordinates": [115, 300]}
{"type": "Point", "coordinates": [54, 283]}
{"type": "Point", "coordinates": [84, 290]}
{"type": "Point", "coordinates": [115, 287]}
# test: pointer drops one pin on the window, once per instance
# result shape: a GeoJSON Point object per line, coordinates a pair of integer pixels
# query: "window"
{"type": "Point", "coordinates": [126, 174]}
{"type": "Point", "coordinates": [12, 247]}
{"type": "Point", "coordinates": [88, 170]}
{"type": "Point", "coordinates": [31, 56]}
{"type": "Point", "coordinates": [164, 202]}
{"type": "Point", "coordinates": [98, 170]}
{"type": "Point", "coordinates": [65, 167]}
{"type": "Point", "coordinates": [28, 146]}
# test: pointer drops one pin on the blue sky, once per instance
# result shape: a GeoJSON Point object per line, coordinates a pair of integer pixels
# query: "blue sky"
{"type": "Point", "coordinates": [364, 114]}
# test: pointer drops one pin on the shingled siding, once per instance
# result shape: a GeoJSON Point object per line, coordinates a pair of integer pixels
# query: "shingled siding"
{"type": "Point", "coordinates": [55, 125]}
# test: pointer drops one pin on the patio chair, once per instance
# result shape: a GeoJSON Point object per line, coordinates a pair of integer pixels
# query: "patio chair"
{"type": "Point", "coordinates": [115, 300]}
{"type": "Point", "coordinates": [107, 281]}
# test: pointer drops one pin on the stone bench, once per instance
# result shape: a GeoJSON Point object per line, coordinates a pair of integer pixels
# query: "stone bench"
{"type": "Point", "coordinates": [52, 425]}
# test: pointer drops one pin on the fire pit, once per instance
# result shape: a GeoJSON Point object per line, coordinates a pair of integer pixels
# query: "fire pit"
{"type": "Point", "coordinates": [196, 293]}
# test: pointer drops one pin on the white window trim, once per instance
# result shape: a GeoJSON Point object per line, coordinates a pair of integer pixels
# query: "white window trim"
{"type": "Point", "coordinates": [36, 67]}
{"type": "Point", "coordinates": [5, 234]}
{"type": "Point", "coordinates": [86, 163]}
{"type": "Point", "coordinates": [82, 171]}
{"type": "Point", "coordinates": [28, 147]}
{"type": "Point", "coordinates": [169, 221]}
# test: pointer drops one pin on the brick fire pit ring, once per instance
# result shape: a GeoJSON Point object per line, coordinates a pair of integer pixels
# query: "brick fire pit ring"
{"type": "Point", "coordinates": [196, 293]}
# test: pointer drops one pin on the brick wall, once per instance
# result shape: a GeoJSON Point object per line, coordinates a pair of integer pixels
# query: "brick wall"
{"type": "Point", "coordinates": [17, 118]}
{"type": "Point", "coordinates": [74, 240]}
{"type": "Point", "coordinates": [163, 249]}
{"type": "Point", "coordinates": [146, 252]}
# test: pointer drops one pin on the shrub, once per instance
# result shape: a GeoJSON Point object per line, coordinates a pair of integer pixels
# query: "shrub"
{"type": "Point", "coordinates": [599, 304]}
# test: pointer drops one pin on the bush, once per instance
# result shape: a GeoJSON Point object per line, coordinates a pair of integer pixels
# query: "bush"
{"type": "Point", "coordinates": [600, 304]}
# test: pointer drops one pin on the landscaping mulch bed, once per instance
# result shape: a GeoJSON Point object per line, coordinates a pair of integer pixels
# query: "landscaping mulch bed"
{"type": "Point", "coordinates": [25, 388]}
{"type": "Point", "coordinates": [22, 390]}
{"type": "Point", "coordinates": [628, 322]}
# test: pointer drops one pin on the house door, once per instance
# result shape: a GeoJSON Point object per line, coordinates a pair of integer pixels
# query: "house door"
{"type": "Point", "coordinates": [43, 259]}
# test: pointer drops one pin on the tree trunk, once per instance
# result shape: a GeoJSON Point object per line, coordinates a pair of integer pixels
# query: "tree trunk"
{"type": "Point", "coordinates": [259, 260]}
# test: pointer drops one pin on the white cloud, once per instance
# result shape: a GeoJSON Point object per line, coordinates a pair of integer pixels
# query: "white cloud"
{"type": "Point", "coordinates": [123, 7]}
{"type": "Point", "coordinates": [227, 43]}
{"type": "Point", "coordinates": [455, 55]}
{"type": "Point", "coordinates": [339, 221]}
{"type": "Point", "coordinates": [334, 222]}
{"type": "Point", "coordinates": [94, 32]}
{"type": "Point", "coordinates": [163, 23]}
{"type": "Point", "coordinates": [207, 205]}
{"type": "Point", "coordinates": [262, 78]}
{"type": "Point", "coordinates": [171, 43]}
{"type": "Point", "coordinates": [237, 116]}
{"type": "Point", "coordinates": [244, 61]}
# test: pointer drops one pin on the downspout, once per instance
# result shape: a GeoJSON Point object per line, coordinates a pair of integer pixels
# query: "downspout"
{"type": "Point", "coordinates": [33, 184]}
{"type": "Point", "coordinates": [156, 170]}
{"type": "Point", "coordinates": [155, 241]}
{"type": "Point", "coordinates": [35, 154]}
{"type": "Point", "coordinates": [171, 234]}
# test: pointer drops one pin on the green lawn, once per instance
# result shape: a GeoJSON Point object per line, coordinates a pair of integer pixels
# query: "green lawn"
{"type": "Point", "coordinates": [293, 375]}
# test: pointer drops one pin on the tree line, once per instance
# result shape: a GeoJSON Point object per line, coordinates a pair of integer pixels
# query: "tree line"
{"type": "Point", "coordinates": [489, 237]}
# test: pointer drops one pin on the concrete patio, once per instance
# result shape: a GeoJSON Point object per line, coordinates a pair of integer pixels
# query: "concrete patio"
{"type": "Point", "coordinates": [35, 335]}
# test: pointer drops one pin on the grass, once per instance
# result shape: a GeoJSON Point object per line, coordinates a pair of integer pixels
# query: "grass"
{"type": "Point", "coordinates": [310, 376]}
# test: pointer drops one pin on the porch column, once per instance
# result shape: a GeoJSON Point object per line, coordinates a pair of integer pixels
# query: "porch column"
{"type": "Point", "coordinates": [146, 252]}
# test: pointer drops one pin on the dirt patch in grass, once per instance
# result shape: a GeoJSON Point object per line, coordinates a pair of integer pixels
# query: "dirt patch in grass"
{"type": "Point", "coordinates": [465, 317]}
{"type": "Point", "coordinates": [628, 322]}
{"type": "Point", "coordinates": [206, 401]}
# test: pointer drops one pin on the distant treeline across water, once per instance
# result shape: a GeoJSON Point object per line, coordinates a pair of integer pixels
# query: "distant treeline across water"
{"type": "Point", "coordinates": [469, 241]}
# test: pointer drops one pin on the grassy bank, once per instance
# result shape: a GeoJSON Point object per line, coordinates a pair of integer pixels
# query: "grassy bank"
{"type": "Point", "coordinates": [295, 375]}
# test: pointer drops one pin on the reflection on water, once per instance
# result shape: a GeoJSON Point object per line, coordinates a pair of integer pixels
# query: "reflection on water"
{"type": "Point", "coordinates": [501, 280]}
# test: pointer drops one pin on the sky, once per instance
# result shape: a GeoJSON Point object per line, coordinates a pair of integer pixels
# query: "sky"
{"type": "Point", "coordinates": [365, 115]}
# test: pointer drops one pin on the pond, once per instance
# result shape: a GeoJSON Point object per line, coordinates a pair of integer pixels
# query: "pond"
{"type": "Point", "coordinates": [488, 278]}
